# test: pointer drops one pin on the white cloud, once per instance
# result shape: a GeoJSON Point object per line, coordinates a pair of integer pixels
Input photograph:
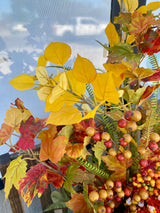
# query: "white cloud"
{"type": "Point", "coordinates": [20, 28]}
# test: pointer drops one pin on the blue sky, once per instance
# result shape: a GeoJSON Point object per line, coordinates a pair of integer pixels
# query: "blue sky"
{"type": "Point", "coordinates": [5, 6]}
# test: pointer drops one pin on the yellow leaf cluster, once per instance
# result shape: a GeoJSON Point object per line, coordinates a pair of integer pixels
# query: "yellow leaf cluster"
{"type": "Point", "coordinates": [15, 171]}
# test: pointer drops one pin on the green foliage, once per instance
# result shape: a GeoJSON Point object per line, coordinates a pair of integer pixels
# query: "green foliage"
{"type": "Point", "coordinates": [94, 169]}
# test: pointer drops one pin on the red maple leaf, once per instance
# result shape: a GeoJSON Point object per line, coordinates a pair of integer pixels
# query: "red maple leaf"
{"type": "Point", "coordinates": [150, 42]}
{"type": "Point", "coordinates": [35, 182]}
{"type": "Point", "coordinates": [154, 77]}
{"type": "Point", "coordinates": [54, 178]}
{"type": "Point", "coordinates": [29, 129]}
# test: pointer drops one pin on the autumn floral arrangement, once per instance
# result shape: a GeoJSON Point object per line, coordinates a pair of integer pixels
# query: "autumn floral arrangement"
{"type": "Point", "coordinates": [101, 142]}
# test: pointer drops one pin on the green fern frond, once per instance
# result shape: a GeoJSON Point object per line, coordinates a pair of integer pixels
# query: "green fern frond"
{"type": "Point", "coordinates": [153, 61]}
{"type": "Point", "coordinates": [90, 92]}
{"type": "Point", "coordinates": [110, 125]}
{"type": "Point", "coordinates": [152, 115]}
{"type": "Point", "coordinates": [93, 169]}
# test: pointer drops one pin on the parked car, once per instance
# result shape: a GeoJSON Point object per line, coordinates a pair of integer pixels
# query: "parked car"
{"type": "Point", "coordinates": [83, 26]}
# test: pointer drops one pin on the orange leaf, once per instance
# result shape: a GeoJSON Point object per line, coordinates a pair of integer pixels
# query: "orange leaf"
{"type": "Point", "coordinates": [5, 133]}
{"type": "Point", "coordinates": [74, 151]}
{"type": "Point", "coordinates": [78, 204]}
{"type": "Point", "coordinates": [118, 167]}
{"type": "Point", "coordinates": [147, 93]}
{"type": "Point", "coordinates": [52, 147]}
{"type": "Point", "coordinates": [139, 23]}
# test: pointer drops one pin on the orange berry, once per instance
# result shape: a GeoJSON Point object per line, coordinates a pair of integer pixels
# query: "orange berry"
{"type": "Point", "coordinates": [136, 115]}
{"type": "Point", "coordinates": [133, 207]}
{"type": "Point", "coordinates": [112, 152]}
{"type": "Point", "coordinates": [151, 174]}
{"type": "Point", "coordinates": [103, 194]}
{"type": "Point", "coordinates": [144, 194]}
{"type": "Point", "coordinates": [136, 197]}
{"type": "Point", "coordinates": [153, 182]}
{"type": "Point", "coordinates": [90, 131]}
{"type": "Point", "coordinates": [141, 149]}
{"type": "Point", "coordinates": [109, 184]}
{"type": "Point", "coordinates": [121, 194]}
{"type": "Point", "coordinates": [131, 126]}
{"type": "Point", "coordinates": [111, 204]}
{"type": "Point", "coordinates": [93, 196]}
{"type": "Point", "coordinates": [158, 181]}
{"type": "Point", "coordinates": [127, 154]}
{"type": "Point", "coordinates": [109, 193]}
{"type": "Point", "coordinates": [154, 137]}
{"type": "Point", "coordinates": [118, 189]}
{"type": "Point", "coordinates": [105, 136]}
{"type": "Point", "coordinates": [101, 209]}
{"type": "Point", "coordinates": [127, 138]}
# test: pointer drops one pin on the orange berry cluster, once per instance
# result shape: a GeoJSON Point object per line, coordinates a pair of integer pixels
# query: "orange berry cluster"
{"type": "Point", "coordinates": [144, 185]}
{"type": "Point", "coordinates": [129, 120]}
{"type": "Point", "coordinates": [111, 193]}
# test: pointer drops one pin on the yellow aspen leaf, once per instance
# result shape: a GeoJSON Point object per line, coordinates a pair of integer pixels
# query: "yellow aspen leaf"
{"type": "Point", "coordinates": [139, 73]}
{"type": "Point", "coordinates": [65, 116]}
{"type": "Point", "coordinates": [43, 93]}
{"type": "Point", "coordinates": [60, 101]}
{"type": "Point", "coordinates": [57, 53]}
{"type": "Point", "coordinates": [142, 9]}
{"type": "Point", "coordinates": [14, 116]}
{"type": "Point", "coordinates": [15, 171]}
{"type": "Point", "coordinates": [63, 82]}
{"type": "Point", "coordinates": [117, 71]}
{"type": "Point", "coordinates": [130, 39]}
{"type": "Point", "coordinates": [92, 113]}
{"type": "Point", "coordinates": [105, 88]}
{"type": "Point", "coordinates": [68, 98]}
{"type": "Point", "coordinates": [131, 5]}
{"type": "Point", "coordinates": [57, 91]}
{"type": "Point", "coordinates": [83, 70]}
{"type": "Point", "coordinates": [153, 5]}
{"type": "Point", "coordinates": [111, 34]}
{"type": "Point", "coordinates": [41, 61]}
{"type": "Point", "coordinates": [42, 75]}
{"type": "Point", "coordinates": [22, 82]}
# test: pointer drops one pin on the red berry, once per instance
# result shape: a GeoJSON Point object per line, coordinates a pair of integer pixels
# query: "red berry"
{"type": "Point", "coordinates": [108, 209]}
{"type": "Point", "coordinates": [96, 136]}
{"type": "Point", "coordinates": [118, 184]}
{"type": "Point", "coordinates": [127, 191]}
{"type": "Point", "coordinates": [123, 143]}
{"type": "Point", "coordinates": [120, 156]}
{"type": "Point", "coordinates": [118, 199]}
{"type": "Point", "coordinates": [127, 115]}
{"type": "Point", "coordinates": [143, 162]}
{"type": "Point", "coordinates": [122, 123]}
{"type": "Point", "coordinates": [153, 146]}
{"type": "Point", "coordinates": [108, 144]}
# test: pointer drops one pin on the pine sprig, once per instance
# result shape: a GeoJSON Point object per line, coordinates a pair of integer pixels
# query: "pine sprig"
{"type": "Point", "coordinates": [93, 169]}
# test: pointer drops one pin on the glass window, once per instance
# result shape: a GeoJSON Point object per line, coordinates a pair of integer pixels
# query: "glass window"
{"type": "Point", "coordinates": [28, 26]}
